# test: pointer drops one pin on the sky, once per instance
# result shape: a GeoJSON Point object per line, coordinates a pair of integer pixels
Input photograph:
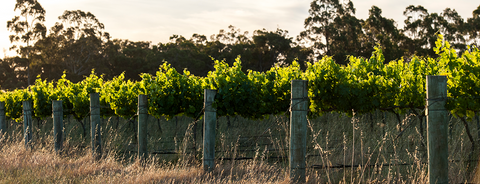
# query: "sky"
{"type": "Point", "coordinates": [157, 20]}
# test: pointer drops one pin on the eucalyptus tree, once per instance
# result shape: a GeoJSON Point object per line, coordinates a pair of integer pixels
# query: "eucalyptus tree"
{"type": "Point", "coordinates": [332, 29]}
{"type": "Point", "coordinates": [423, 27]}
{"type": "Point", "coordinates": [49, 54]}
{"type": "Point", "coordinates": [472, 27]}
{"type": "Point", "coordinates": [435, 24]}
{"type": "Point", "coordinates": [347, 36]}
{"type": "Point", "coordinates": [414, 29]}
{"type": "Point", "coordinates": [131, 58]}
{"type": "Point", "coordinates": [271, 47]}
{"type": "Point", "coordinates": [82, 37]}
{"type": "Point", "coordinates": [183, 53]}
{"type": "Point", "coordinates": [453, 29]}
{"type": "Point", "coordinates": [28, 28]}
{"type": "Point", "coordinates": [10, 75]}
{"type": "Point", "coordinates": [382, 31]}
{"type": "Point", "coordinates": [318, 24]}
{"type": "Point", "coordinates": [228, 45]}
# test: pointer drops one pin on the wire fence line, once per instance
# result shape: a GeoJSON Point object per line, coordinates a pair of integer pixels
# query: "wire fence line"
{"type": "Point", "coordinates": [286, 112]}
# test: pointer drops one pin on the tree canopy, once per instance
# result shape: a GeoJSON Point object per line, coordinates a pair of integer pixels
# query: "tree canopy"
{"type": "Point", "coordinates": [79, 43]}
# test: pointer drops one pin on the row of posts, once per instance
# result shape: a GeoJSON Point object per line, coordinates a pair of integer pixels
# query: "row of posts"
{"type": "Point", "coordinates": [435, 112]}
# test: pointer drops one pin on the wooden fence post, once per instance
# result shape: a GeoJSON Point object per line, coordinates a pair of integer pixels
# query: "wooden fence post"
{"type": "Point", "coordinates": [27, 123]}
{"type": "Point", "coordinates": [96, 134]}
{"type": "Point", "coordinates": [142, 126]}
{"type": "Point", "coordinates": [437, 129]}
{"type": "Point", "coordinates": [3, 119]}
{"type": "Point", "coordinates": [209, 125]}
{"type": "Point", "coordinates": [298, 131]}
{"type": "Point", "coordinates": [57, 109]}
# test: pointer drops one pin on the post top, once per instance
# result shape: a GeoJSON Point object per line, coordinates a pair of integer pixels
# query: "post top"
{"type": "Point", "coordinates": [436, 76]}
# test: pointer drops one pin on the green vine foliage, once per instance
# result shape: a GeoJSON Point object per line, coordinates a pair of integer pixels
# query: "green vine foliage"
{"type": "Point", "coordinates": [171, 93]}
{"type": "Point", "coordinates": [236, 92]}
{"type": "Point", "coordinates": [13, 102]}
{"type": "Point", "coordinates": [121, 95]}
{"type": "Point", "coordinates": [361, 86]}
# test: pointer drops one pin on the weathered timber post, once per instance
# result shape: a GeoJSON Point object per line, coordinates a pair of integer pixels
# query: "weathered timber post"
{"type": "Point", "coordinates": [96, 134]}
{"type": "Point", "coordinates": [57, 109]}
{"type": "Point", "coordinates": [27, 123]}
{"type": "Point", "coordinates": [437, 129]}
{"type": "Point", "coordinates": [142, 126]}
{"type": "Point", "coordinates": [3, 119]}
{"type": "Point", "coordinates": [478, 125]}
{"type": "Point", "coordinates": [298, 131]}
{"type": "Point", "coordinates": [209, 125]}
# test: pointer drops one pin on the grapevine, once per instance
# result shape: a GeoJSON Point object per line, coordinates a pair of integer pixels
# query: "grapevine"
{"type": "Point", "coordinates": [363, 85]}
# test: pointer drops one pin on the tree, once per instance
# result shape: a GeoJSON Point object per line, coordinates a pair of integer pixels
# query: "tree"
{"type": "Point", "coordinates": [271, 47]}
{"type": "Point", "coordinates": [131, 58]}
{"type": "Point", "coordinates": [318, 24]}
{"type": "Point", "coordinates": [382, 31]}
{"type": "Point", "coordinates": [472, 27]}
{"type": "Point", "coordinates": [28, 28]}
{"type": "Point", "coordinates": [182, 54]}
{"type": "Point", "coordinates": [82, 37]}
{"type": "Point", "coordinates": [10, 75]}
{"type": "Point", "coordinates": [333, 29]}
{"type": "Point", "coordinates": [275, 48]}
{"type": "Point", "coordinates": [48, 54]}
{"type": "Point", "coordinates": [258, 52]}
{"type": "Point", "coordinates": [414, 29]}
{"type": "Point", "coordinates": [229, 45]}
{"type": "Point", "coordinates": [347, 37]}
{"type": "Point", "coordinates": [423, 28]}
{"type": "Point", "coordinates": [453, 31]}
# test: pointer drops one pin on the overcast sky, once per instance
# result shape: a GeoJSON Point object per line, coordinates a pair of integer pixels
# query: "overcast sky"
{"type": "Point", "coordinates": [157, 20]}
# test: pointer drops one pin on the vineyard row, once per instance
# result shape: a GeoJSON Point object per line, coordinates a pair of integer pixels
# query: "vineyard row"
{"type": "Point", "coordinates": [436, 113]}
{"type": "Point", "coordinates": [364, 85]}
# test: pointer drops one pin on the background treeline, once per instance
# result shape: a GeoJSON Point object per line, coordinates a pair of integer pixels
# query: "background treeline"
{"type": "Point", "coordinates": [78, 43]}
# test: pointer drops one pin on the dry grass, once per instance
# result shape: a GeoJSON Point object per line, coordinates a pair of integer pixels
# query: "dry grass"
{"type": "Point", "coordinates": [380, 149]}
{"type": "Point", "coordinates": [42, 165]}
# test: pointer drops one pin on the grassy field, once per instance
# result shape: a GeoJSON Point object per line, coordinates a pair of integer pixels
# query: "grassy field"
{"type": "Point", "coordinates": [370, 148]}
